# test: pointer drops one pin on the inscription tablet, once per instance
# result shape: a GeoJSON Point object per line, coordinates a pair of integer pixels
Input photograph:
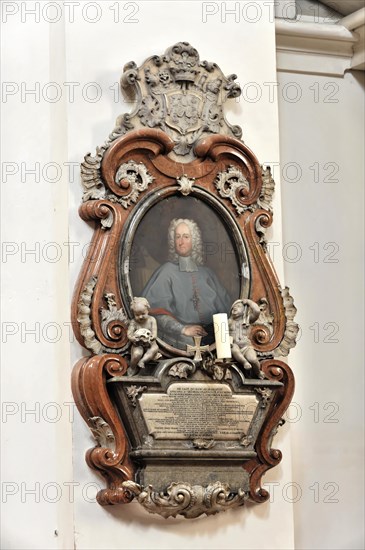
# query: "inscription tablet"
{"type": "Point", "coordinates": [196, 410]}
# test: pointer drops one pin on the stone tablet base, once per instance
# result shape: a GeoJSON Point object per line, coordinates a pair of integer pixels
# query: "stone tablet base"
{"type": "Point", "coordinates": [168, 457]}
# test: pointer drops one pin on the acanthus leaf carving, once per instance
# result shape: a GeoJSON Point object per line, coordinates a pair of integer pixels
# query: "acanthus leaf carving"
{"type": "Point", "coordinates": [182, 369]}
{"type": "Point", "coordinates": [84, 317]}
{"type": "Point", "coordinates": [186, 184]}
{"type": "Point", "coordinates": [132, 178]}
{"type": "Point", "coordinates": [291, 327]}
{"type": "Point", "coordinates": [113, 320]}
{"type": "Point", "coordinates": [265, 318]}
{"type": "Point", "coordinates": [133, 393]}
{"type": "Point", "coordinates": [91, 179]}
{"type": "Point", "coordinates": [123, 125]}
{"type": "Point", "coordinates": [233, 185]}
{"type": "Point", "coordinates": [102, 432]}
{"type": "Point", "coordinates": [151, 113]}
{"type": "Point", "coordinates": [190, 501]}
{"type": "Point", "coordinates": [203, 443]}
{"type": "Point", "coordinates": [246, 440]}
{"type": "Point", "coordinates": [265, 394]}
{"type": "Point", "coordinates": [267, 190]}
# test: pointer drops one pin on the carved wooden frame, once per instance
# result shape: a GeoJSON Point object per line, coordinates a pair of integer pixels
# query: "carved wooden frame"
{"type": "Point", "coordinates": [224, 167]}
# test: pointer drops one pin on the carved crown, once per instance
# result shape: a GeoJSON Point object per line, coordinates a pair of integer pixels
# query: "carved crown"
{"type": "Point", "coordinates": [180, 95]}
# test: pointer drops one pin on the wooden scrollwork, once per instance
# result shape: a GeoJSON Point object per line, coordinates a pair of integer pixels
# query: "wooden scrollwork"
{"type": "Point", "coordinates": [110, 456]}
{"type": "Point", "coordinates": [177, 146]}
{"type": "Point", "coordinates": [266, 456]}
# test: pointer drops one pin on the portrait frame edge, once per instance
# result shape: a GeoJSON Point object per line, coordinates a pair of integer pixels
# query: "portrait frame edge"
{"type": "Point", "coordinates": [130, 229]}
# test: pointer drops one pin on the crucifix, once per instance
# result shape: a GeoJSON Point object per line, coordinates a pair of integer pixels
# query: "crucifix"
{"type": "Point", "coordinates": [197, 348]}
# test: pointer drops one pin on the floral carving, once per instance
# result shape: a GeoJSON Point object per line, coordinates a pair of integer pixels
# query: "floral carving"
{"type": "Point", "coordinates": [186, 185]}
{"type": "Point", "coordinates": [184, 143]}
{"type": "Point", "coordinates": [216, 369]}
{"type": "Point", "coordinates": [134, 178]}
{"type": "Point", "coordinates": [266, 318]}
{"type": "Point", "coordinates": [291, 327]}
{"type": "Point", "coordinates": [267, 190]}
{"type": "Point", "coordinates": [90, 176]}
{"type": "Point", "coordinates": [84, 317]}
{"type": "Point", "coordinates": [186, 500]}
{"type": "Point", "coordinates": [133, 392]}
{"type": "Point", "coordinates": [182, 369]}
{"type": "Point", "coordinates": [203, 443]}
{"type": "Point", "coordinates": [265, 394]}
{"type": "Point", "coordinates": [102, 432]}
{"type": "Point", "coordinates": [233, 185]}
{"type": "Point", "coordinates": [246, 440]}
{"type": "Point", "coordinates": [151, 113]}
{"type": "Point", "coordinates": [113, 320]}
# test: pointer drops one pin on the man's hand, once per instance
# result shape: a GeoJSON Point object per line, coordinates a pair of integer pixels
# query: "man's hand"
{"type": "Point", "coordinates": [194, 330]}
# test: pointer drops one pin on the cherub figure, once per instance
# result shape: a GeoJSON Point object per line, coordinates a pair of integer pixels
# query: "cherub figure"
{"type": "Point", "coordinates": [142, 332]}
{"type": "Point", "coordinates": [243, 314]}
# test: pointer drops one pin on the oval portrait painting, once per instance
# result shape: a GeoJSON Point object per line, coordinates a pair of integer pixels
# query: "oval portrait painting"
{"type": "Point", "coordinates": [188, 259]}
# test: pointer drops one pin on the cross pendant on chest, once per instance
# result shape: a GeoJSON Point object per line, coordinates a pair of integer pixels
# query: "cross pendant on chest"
{"type": "Point", "coordinates": [197, 348]}
{"type": "Point", "coordinates": [196, 299]}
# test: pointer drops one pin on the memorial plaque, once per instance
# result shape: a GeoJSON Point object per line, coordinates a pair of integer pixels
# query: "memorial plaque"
{"type": "Point", "coordinates": [192, 411]}
{"type": "Point", "coordinates": [178, 302]}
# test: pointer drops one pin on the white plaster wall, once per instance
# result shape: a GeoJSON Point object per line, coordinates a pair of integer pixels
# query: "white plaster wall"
{"type": "Point", "coordinates": [327, 418]}
{"type": "Point", "coordinates": [36, 400]}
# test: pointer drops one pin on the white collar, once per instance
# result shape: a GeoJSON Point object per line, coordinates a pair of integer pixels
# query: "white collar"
{"type": "Point", "coordinates": [186, 263]}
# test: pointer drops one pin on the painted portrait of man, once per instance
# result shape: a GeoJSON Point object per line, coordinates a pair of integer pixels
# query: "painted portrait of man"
{"type": "Point", "coordinates": [183, 293]}
{"type": "Point", "coordinates": [184, 257]}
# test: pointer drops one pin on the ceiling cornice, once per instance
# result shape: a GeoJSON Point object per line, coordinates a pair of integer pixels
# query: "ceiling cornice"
{"type": "Point", "coordinates": [320, 48]}
{"type": "Point", "coordinates": [344, 7]}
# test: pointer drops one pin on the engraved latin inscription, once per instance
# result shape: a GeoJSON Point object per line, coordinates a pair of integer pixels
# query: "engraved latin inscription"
{"type": "Point", "coordinates": [196, 410]}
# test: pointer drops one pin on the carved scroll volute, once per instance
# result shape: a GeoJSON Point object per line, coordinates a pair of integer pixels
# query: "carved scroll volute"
{"type": "Point", "coordinates": [234, 158]}
{"type": "Point", "coordinates": [100, 269]}
{"type": "Point", "coordinates": [94, 276]}
{"type": "Point", "coordinates": [262, 265]}
{"type": "Point", "coordinates": [267, 457]}
{"type": "Point", "coordinates": [110, 456]}
{"type": "Point", "coordinates": [225, 151]}
{"type": "Point", "coordinates": [153, 141]}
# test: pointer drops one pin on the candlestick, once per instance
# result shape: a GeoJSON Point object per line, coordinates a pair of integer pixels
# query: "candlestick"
{"type": "Point", "coordinates": [221, 334]}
